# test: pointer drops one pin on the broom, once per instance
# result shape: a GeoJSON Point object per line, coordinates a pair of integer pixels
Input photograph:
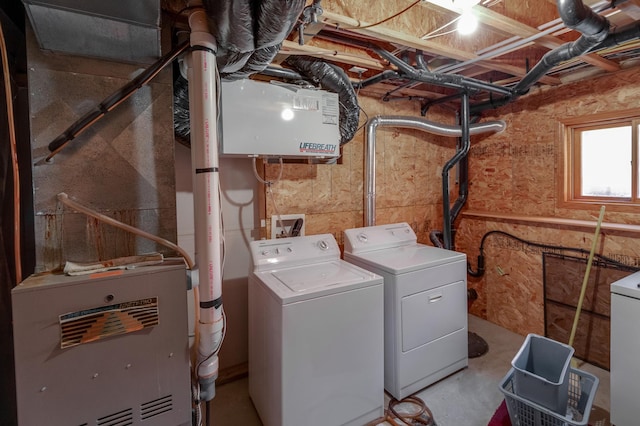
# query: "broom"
{"type": "Point", "coordinates": [583, 290]}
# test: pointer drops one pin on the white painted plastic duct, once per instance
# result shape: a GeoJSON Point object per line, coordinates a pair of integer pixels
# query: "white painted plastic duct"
{"type": "Point", "coordinates": [201, 74]}
{"type": "Point", "coordinates": [409, 123]}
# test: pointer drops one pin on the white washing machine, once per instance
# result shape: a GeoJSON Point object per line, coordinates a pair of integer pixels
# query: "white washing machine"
{"type": "Point", "coordinates": [425, 304]}
{"type": "Point", "coordinates": [315, 335]}
{"type": "Point", "coordinates": [625, 350]}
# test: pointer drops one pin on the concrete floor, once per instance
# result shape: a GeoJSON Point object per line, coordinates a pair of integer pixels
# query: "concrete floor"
{"type": "Point", "coordinates": [466, 398]}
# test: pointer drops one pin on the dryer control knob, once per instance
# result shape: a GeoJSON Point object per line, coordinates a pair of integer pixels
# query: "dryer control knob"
{"type": "Point", "coordinates": [363, 238]}
{"type": "Point", "coordinates": [265, 252]}
{"type": "Point", "coordinates": [323, 245]}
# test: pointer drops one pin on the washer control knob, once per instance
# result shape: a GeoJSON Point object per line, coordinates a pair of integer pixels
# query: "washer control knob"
{"type": "Point", "coordinates": [277, 251]}
{"type": "Point", "coordinates": [265, 252]}
{"type": "Point", "coordinates": [323, 245]}
{"type": "Point", "coordinates": [289, 249]}
{"type": "Point", "coordinates": [363, 238]}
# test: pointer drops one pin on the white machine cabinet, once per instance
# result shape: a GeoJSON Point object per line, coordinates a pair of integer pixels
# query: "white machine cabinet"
{"type": "Point", "coordinates": [625, 350]}
{"type": "Point", "coordinates": [425, 304]}
{"type": "Point", "coordinates": [315, 335]}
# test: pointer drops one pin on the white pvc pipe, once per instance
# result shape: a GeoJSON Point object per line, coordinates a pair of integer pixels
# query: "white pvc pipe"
{"type": "Point", "coordinates": [201, 74]}
{"type": "Point", "coordinates": [410, 123]}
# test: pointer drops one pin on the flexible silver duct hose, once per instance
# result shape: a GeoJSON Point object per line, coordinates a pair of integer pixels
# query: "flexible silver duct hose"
{"type": "Point", "coordinates": [408, 123]}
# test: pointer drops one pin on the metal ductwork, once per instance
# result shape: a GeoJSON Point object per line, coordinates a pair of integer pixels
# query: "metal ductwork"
{"type": "Point", "coordinates": [99, 29]}
{"type": "Point", "coordinates": [408, 123]}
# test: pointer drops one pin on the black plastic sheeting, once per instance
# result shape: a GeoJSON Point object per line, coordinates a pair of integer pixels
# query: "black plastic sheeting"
{"type": "Point", "coordinates": [181, 126]}
{"type": "Point", "coordinates": [334, 79]}
{"type": "Point", "coordinates": [249, 33]}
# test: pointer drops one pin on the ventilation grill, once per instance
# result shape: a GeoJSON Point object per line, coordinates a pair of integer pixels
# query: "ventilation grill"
{"type": "Point", "coordinates": [121, 418]}
{"type": "Point", "coordinates": [156, 407]}
{"type": "Point", "coordinates": [98, 323]}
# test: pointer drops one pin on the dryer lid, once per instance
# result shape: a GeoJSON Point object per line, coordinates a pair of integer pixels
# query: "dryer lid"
{"type": "Point", "coordinates": [400, 260]}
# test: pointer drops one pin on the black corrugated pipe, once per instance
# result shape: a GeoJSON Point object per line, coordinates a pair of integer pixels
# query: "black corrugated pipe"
{"type": "Point", "coordinates": [408, 71]}
{"type": "Point", "coordinates": [420, 62]}
{"type": "Point", "coordinates": [384, 75]}
{"type": "Point", "coordinates": [461, 153]}
{"type": "Point", "coordinates": [622, 35]}
{"type": "Point", "coordinates": [332, 78]}
{"type": "Point", "coordinates": [575, 15]}
{"type": "Point", "coordinates": [445, 80]}
{"type": "Point", "coordinates": [283, 73]}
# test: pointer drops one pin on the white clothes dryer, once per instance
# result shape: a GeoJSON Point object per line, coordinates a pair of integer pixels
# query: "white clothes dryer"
{"type": "Point", "coordinates": [315, 335]}
{"type": "Point", "coordinates": [425, 304]}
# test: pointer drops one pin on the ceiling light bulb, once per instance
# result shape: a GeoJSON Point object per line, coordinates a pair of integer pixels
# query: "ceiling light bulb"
{"type": "Point", "coordinates": [467, 23]}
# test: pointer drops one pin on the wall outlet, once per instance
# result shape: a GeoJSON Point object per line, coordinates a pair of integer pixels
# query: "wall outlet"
{"type": "Point", "coordinates": [284, 225]}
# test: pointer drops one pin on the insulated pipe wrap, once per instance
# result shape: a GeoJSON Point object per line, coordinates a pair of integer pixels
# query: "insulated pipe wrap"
{"type": "Point", "coordinates": [249, 32]}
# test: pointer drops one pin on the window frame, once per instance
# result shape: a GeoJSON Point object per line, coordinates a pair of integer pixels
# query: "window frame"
{"type": "Point", "coordinates": [569, 175]}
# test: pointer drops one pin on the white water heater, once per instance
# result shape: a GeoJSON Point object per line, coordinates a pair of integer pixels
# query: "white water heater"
{"type": "Point", "coordinates": [262, 119]}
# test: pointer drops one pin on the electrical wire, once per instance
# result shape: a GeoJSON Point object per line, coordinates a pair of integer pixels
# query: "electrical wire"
{"type": "Point", "coordinates": [270, 185]}
{"type": "Point", "coordinates": [431, 34]}
{"type": "Point", "coordinates": [14, 159]}
{"type": "Point", "coordinates": [539, 245]}
{"type": "Point", "coordinates": [358, 27]}
{"type": "Point", "coordinates": [422, 415]}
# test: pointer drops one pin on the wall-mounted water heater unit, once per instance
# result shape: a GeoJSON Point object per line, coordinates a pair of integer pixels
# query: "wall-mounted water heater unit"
{"type": "Point", "coordinates": [262, 119]}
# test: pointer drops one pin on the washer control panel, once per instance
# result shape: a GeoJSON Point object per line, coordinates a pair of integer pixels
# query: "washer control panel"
{"type": "Point", "coordinates": [359, 240]}
{"type": "Point", "coordinates": [284, 252]}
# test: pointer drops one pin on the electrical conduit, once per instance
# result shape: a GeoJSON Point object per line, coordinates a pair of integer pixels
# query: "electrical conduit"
{"type": "Point", "coordinates": [410, 123]}
{"type": "Point", "coordinates": [201, 74]}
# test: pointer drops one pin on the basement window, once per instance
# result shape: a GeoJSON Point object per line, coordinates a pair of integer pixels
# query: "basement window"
{"type": "Point", "coordinates": [600, 161]}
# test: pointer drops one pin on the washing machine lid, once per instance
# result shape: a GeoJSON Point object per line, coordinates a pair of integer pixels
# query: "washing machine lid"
{"type": "Point", "coordinates": [316, 280]}
{"type": "Point", "coordinates": [399, 260]}
{"type": "Point", "coordinates": [628, 286]}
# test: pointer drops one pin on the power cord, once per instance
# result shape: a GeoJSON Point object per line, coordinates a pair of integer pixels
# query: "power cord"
{"type": "Point", "coordinates": [481, 263]}
{"type": "Point", "coordinates": [421, 415]}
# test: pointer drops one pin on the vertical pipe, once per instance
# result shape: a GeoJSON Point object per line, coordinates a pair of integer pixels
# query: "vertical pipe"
{"type": "Point", "coordinates": [461, 153]}
{"type": "Point", "coordinates": [370, 173]}
{"type": "Point", "coordinates": [205, 174]}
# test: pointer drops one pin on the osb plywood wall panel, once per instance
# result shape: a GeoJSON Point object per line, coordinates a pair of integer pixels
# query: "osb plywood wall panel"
{"type": "Point", "coordinates": [122, 166]}
{"type": "Point", "coordinates": [408, 179]}
{"type": "Point", "coordinates": [515, 173]}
